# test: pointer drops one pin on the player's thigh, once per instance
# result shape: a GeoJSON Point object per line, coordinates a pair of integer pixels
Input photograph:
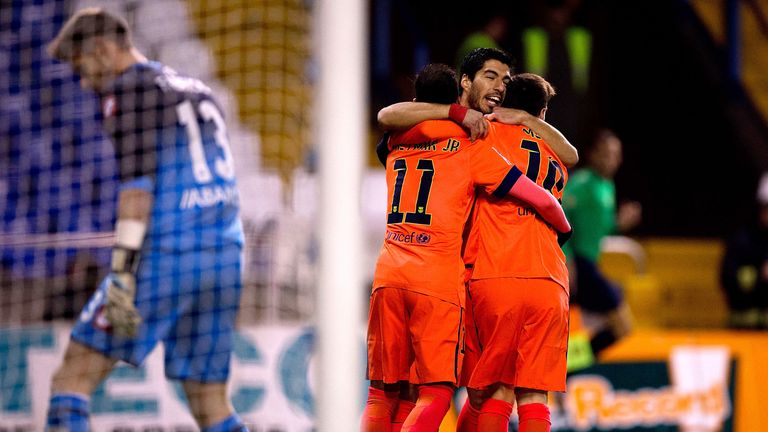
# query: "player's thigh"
{"type": "Point", "coordinates": [499, 317]}
{"type": "Point", "coordinates": [472, 348]}
{"type": "Point", "coordinates": [543, 344]}
{"type": "Point", "coordinates": [92, 329]}
{"type": "Point", "coordinates": [436, 330]}
{"type": "Point", "coordinates": [198, 343]}
{"type": "Point", "coordinates": [497, 310]}
{"type": "Point", "coordinates": [389, 347]}
{"type": "Point", "coordinates": [593, 291]}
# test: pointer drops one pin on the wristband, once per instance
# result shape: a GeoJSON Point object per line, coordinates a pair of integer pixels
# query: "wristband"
{"type": "Point", "coordinates": [129, 236]}
{"type": "Point", "coordinates": [124, 260]}
{"type": "Point", "coordinates": [457, 113]}
{"type": "Point", "coordinates": [129, 233]}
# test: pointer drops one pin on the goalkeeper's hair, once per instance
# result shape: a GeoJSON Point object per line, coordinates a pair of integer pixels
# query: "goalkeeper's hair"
{"type": "Point", "coordinates": [528, 92]}
{"type": "Point", "coordinates": [436, 83]}
{"type": "Point", "coordinates": [84, 26]}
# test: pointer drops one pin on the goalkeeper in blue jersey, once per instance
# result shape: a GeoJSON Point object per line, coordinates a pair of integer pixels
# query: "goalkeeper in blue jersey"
{"type": "Point", "coordinates": [175, 275]}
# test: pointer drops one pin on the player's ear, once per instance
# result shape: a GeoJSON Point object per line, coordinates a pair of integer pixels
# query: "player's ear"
{"type": "Point", "coordinates": [543, 113]}
{"type": "Point", "coordinates": [465, 82]}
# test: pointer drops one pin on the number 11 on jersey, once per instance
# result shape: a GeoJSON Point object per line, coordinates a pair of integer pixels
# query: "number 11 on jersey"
{"type": "Point", "coordinates": [420, 216]}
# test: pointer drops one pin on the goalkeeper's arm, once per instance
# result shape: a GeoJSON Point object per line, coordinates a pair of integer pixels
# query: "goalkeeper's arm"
{"type": "Point", "coordinates": [133, 213]}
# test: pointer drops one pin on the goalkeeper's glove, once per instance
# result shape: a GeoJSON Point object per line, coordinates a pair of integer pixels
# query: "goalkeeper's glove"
{"type": "Point", "coordinates": [120, 308]}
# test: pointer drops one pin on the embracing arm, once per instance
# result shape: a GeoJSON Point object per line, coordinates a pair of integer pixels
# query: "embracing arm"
{"type": "Point", "coordinates": [556, 140]}
{"type": "Point", "coordinates": [404, 115]}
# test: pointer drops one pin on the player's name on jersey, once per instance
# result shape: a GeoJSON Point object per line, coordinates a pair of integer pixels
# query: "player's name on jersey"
{"type": "Point", "coordinates": [170, 80]}
{"type": "Point", "coordinates": [451, 145]}
{"type": "Point", "coordinates": [208, 196]}
{"type": "Point", "coordinates": [531, 133]}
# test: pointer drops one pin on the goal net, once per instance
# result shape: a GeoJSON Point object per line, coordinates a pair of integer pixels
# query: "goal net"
{"type": "Point", "coordinates": [58, 200]}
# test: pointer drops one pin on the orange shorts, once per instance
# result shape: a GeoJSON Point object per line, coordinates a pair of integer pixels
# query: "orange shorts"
{"type": "Point", "coordinates": [517, 334]}
{"type": "Point", "coordinates": [413, 337]}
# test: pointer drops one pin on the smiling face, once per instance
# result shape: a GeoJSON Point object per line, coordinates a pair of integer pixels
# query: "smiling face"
{"type": "Point", "coordinates": [487, 88]}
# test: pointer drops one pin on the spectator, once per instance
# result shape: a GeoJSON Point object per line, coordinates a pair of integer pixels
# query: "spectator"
{"type": "Point", "coordinates": [490, 36]}
{"type": "Point", "coordinates": [744, 269]}
{"type": "Point", "coordinates": [590, 203]}
{"type": "Point", "coordinates": [560, 51]}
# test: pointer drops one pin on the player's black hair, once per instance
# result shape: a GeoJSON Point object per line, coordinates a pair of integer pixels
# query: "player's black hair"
{"type": "Point", "coordinates": [476, 58]}
{"type": "Point", "coordinates": [528, 92]}
{"type": "Point", "coordinates": [437, 83]}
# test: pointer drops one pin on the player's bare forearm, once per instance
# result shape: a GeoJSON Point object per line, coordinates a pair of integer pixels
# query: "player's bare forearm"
{"type": "Point", "coordinates": [556, 140]}
{"type": "Point", "coordinates": [133, 211]}
{"type": "Point", "coordinates": [134, 204]}
{"type": "Point", "coordinates": [404, 115]}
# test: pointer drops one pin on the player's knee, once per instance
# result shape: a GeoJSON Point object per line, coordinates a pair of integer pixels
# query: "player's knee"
{"type": "Point", "coordinates": [505, 393]}
{"type": "Point", "coordinates": [528, 396]}
{"type": "Point", "coordinates": [476, 398]}
{"type": "Point", "coordinates": [621, 321]}
{"type": "Point", "coordinates": [207, 401]}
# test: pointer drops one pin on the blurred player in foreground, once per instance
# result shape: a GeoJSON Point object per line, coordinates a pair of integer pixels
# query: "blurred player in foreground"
{"type": "Point", "coordinates": [416, 315]}
{"type": "Point", "coordinates": [175, 272]}
{"type": "Point", "coordinates": [517, 298]}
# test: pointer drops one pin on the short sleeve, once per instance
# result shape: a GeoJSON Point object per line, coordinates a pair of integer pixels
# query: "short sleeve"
{"type": "Point", "coordinates": [382, 149]}
{"type": "Point", "coordinates": [134, 117]}
{"type": "Point", "coordinates": [491, 170]}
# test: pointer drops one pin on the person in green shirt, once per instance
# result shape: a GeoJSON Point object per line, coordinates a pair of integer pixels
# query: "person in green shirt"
{"type": "Point", "coordinates": [590, 204]}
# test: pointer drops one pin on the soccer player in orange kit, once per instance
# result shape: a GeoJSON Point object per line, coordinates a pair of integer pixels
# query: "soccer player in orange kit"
{"type": "Point", "coordinates": [517, 305]}
{"type": "Point", "coordinates": [416, 313]}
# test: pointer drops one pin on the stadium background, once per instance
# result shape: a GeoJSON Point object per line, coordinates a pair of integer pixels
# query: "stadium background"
{"type": "Point", "coordinates": [679, 81]}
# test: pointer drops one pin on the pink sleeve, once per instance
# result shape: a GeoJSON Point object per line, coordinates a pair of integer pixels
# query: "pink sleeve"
{"type": "Point", "coordinates": [542, 201]}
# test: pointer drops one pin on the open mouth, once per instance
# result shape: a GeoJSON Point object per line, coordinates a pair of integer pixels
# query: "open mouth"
{"type": "Point", "coordinates": [493, 101]}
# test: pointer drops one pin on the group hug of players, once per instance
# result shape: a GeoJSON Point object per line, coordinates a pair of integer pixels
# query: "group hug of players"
{"type": "Point", "coordinates": [471, 285]}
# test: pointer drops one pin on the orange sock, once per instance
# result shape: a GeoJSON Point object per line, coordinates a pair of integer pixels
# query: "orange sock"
{"type": "Point", "coordinates": [534, 418]}
{"type": "Point", "coordinates": [404, 407]}
{"type": "Point", "coordinates": [377, 416]}
{"type": "Point", "coordinates": [434, 401]}
{"type": "Point", "coordinates": [494, 416]}
{"type": "Point", "coordinates": [467, 421]}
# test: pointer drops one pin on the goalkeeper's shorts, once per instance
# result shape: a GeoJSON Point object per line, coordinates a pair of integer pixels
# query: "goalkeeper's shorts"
{"type": "Point", "coordinates": [188, 301]}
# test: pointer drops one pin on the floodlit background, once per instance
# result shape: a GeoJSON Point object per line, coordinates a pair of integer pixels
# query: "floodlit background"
{"type": "Point", "coordinates": [682, 83]}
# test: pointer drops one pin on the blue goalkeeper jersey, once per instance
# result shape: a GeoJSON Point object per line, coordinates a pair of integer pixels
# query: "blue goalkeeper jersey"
{"type": "Point", "coordinates": [170, 139]}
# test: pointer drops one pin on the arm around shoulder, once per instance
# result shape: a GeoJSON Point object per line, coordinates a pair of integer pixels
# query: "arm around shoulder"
{"type": "Point", "coordinates": [553, 137]}
{"type": "Point", "coordinates": [404, 115]}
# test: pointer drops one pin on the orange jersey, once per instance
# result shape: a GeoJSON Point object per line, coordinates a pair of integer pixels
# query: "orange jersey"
{"type": "Point", "coordinates": [507, 239]}
{"type": "Point", "coordinates": [431, 181]}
